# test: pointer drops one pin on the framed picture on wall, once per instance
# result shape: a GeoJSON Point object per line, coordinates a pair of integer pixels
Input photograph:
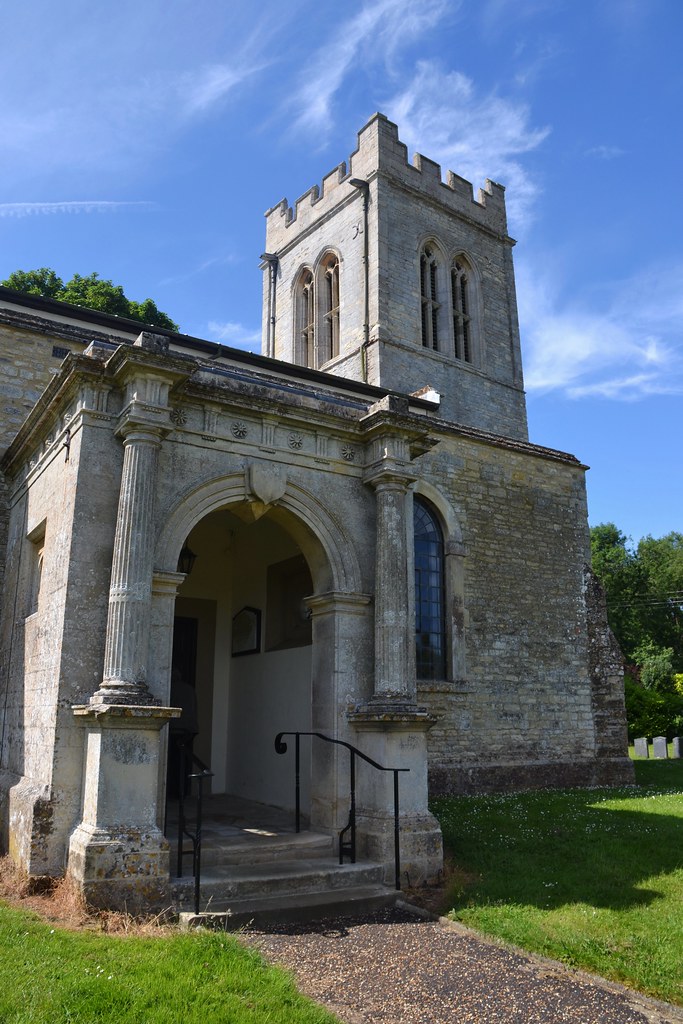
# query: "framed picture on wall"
{"type": "Point", "coordinates": [246, 632]}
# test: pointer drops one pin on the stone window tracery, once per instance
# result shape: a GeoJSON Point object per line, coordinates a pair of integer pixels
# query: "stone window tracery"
{"type": "Point", "coordinates": [317, 336]}
{"type": "Point", "coordinates": [461, 293]}
{"type": "Point", "coordinates": [430, 619]}
{"type": "Point", "coordinates": [305, 319]}
{"type": "Point", "coordinates": [329, 342]}
{"type": "Point", "coordinates": [429, 290]}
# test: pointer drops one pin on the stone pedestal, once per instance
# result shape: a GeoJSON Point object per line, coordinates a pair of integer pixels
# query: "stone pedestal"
{"type": "Point", "coordinates": [396, 739]}
{"type": "Point", "coordinates": [118, 855]}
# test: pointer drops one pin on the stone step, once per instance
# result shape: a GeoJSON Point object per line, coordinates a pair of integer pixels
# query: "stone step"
{"type": "Point", "coordinates": [258, 849]}
{"type": "Point", "coordinates": [297, 907]}
{"type": "Point", "coordinates": [224, 885]}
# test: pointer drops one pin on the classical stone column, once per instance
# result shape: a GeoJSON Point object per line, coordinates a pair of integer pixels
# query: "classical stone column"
{"type": "Point", "coordinates": [394, 680]}
{"type": "Point", "coordinates": [127, 641]}
{"type": "Point", "coordinates": [390, 728]}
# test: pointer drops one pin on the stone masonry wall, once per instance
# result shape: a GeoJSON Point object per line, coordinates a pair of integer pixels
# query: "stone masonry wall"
{"type": "Point", "coordinates": [524, 713]}
{"type": "Point", "coordinates": [52, 635]}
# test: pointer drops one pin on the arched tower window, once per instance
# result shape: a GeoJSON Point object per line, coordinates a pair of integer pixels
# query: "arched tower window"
{"type": "Point", "coordinates": [305, 320]}
{"type": "Point", "coordinates": [329, 334]}
{"type": "Point", "coordinates": [430, 618]}
{"type": "Point", "coordinates": [429, 269]}
{"type": "Point", "coordinates": [461, 289]}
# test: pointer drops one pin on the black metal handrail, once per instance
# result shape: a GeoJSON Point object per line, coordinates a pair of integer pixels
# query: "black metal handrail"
{"type": "Point", "coordinates": [203, 772]}
{"type": "Point", "coordinates": [345, 846]}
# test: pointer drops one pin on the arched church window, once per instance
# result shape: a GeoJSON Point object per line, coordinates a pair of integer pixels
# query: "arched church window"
{"type": "Point", "coordinates": [430, 618]}
{"type": "Point", "coordinates": [429, 289]}
{"type": "Point", "coordinates": [329, 334]}
{"type": "Point", "coordinates": [305, 320]}
{"type": "Point", "coordinates": [461, 288]}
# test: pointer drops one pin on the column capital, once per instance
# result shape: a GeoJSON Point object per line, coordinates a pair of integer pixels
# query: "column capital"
{"type": "Point", "coordinates": [389, 474]}
{"type": "Point", "coordinates": [338, 601]}
{"type": "Point", "coordinates": [144, 423]}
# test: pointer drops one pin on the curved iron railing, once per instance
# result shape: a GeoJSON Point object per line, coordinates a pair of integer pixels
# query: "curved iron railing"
{"type": "Point", "coordinates": [346, 846]}
{"type": "Point", "coordinates": [200, 775]}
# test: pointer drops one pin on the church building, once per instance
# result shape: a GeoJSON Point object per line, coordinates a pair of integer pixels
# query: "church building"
{"type": "Point", "coordinates": [349, 535]}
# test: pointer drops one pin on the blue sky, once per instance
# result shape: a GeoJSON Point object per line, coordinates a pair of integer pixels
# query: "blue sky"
{"type": "Point", "coordinates": [145, 140]}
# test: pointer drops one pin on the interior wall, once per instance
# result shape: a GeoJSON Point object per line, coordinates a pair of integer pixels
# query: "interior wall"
{"type": "Point", "coordinates": [244, 700]}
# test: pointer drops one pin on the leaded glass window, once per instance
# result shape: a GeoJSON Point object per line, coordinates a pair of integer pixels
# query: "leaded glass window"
{"type": "Point", "coordinates": [430, 303]}
{"type": "Point", "coordinates": [329, 346]}
{"type": "Point", "coordinates": [430, 623]}
{"type": "Point", "coordinates": [306, 319]}
{"type": "Point", "coordinates": [461, 311]}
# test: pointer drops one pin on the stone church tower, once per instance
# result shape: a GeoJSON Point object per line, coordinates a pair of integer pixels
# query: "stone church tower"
{"type": "Point", "coordinates": [390, 276]}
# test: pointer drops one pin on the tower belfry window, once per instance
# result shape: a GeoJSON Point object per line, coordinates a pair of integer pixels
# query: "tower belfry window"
{"type": "Point", "coordinates": [306, 320]}
{"type": "Point", "coordinates": [430, 303]}
{"type": "Point", "coordinates": [329, 343]}
{"type": "Point", "coordinates": [462, 329]}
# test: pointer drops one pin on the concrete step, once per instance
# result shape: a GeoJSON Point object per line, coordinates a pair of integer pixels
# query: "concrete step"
{"type": "Point", "coordinates": [230, 915]}
{"type": "Point", "coordinates": [224, 885]}
{"type": "Point", "coordinates": [258, 848]}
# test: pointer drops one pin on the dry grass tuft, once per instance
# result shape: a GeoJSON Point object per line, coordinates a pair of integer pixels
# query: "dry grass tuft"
{"type": "Point", "coordinates": [60, 901]}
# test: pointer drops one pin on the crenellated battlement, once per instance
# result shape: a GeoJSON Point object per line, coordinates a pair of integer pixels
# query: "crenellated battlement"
{"type": "Point", "coordinates": [381, 153]}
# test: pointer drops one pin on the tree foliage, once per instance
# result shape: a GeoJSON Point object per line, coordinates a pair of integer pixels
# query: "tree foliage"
{"type": "Point", "coordinates": [644, 588]}
{"type": "Point", "coordinates": [92, 291]}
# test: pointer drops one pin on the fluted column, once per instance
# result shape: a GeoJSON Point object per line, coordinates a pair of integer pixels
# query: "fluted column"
{"type": "Point", "coordinates": [394, 678]}
{"type": "Point", "coordinates": [128, 623]}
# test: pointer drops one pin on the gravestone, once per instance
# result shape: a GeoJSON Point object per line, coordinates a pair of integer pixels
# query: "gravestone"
{"type": "Point", "coordinates": [659, 747]}
{"type": "Point", "coordinates": [678, 746]}
{"type": "Point", "coordinates": [641, 747]}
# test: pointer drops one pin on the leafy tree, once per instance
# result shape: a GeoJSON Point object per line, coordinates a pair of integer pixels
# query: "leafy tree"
{"type": "Point", "coordinates": [652, 714]}
{"type": "Point", "coordinates": [147, 313]}
{"type": "Point", "coordinates": [620, 573]}
{"type": "Point", "coordinates": [95, 293]}
{"type": "Point", "coordinates": [43, 282]}
{"type": "Point", "coordinates": [656, 667]}
{"type": "Point", "coordinates": [662, 563]}
{"type": "Point", "coordinates": [92, 291]}
{"type": "Point", "coordinates": [644, 590]}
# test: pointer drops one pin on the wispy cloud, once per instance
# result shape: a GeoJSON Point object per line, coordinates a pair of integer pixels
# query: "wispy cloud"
{"type": "Point", "coordinates": [375, 33]}
{"type": "Point", "coordinates": [202, 89]}
{"type": "Point", "coordinates": [107, 92]}
{"type": "Point", "coordinates": [71, 206]}
{"type": "Point", "coordinates": [630, 348]}
{"type": "Point", "coordinates": [201, 268]}
{"type": "Point", "coordinates": [235, 335]}
{"type": "Point", "coordinates": [605, 152]}
{"type": "Point", "coordinates": [477, 135]}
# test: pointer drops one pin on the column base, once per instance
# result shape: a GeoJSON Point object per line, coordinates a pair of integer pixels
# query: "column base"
{"type": "Point", "coordinates": [121, 693]}
{"type": "Point", "coordinates": [124, 870]}
{"type": "Point", "coordinates": [394, 734]}
{"type": "Point", "coordinates": [420, 845]}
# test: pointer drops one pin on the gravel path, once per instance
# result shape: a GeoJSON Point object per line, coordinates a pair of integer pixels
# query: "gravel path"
{"type": "Point", "coordinates": [394, 968]}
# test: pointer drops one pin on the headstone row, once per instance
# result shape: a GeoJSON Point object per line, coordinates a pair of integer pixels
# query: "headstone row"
{"type": "Point", "coordinates": [659, 747]}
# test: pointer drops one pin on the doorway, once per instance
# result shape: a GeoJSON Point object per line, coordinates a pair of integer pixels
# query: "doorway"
{"type": "Point", "coordinates": [242, 642]}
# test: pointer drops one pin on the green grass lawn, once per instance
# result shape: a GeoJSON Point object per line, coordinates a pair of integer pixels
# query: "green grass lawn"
{"type": "Point", "coordinates": [593, 878]}
{"type": "Point", "coordinates": [52, 976]}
